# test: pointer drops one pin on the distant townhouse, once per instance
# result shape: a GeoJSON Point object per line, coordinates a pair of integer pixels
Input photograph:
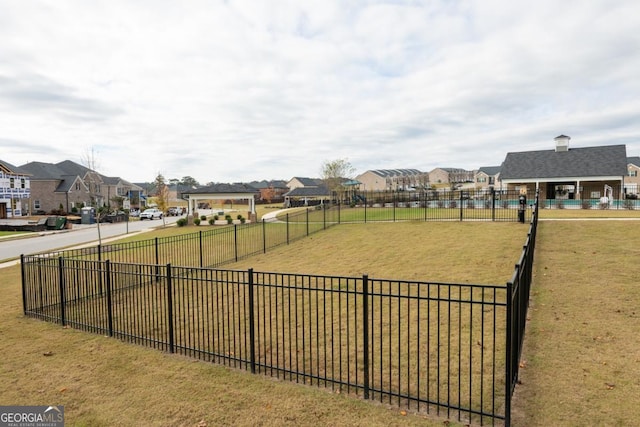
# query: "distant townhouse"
{"type": "Point", "coordinates": [567, 173]}
{"type": "Point", "coordinates": [392, 179]}
{"type": "Point", "coordinates": [487, 177]}
{"type": "Point", "coordinates": [451, 176]}
{"type": "Point", "coordinates": [15, 190]}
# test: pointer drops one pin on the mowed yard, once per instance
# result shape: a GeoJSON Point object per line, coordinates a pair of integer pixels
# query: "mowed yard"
{"type": "Point", "coordinates": [584, 316]}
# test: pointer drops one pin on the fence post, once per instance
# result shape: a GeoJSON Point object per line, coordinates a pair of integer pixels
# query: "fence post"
{"type": "Point", "coordinates": [235, 241]}
{"type": "Point", "coordinates": [170, 309]}
{"type": "Point", "coordinates": [339, 213]}
{"type": "Point", "coordinates": [264, 236]}
{"type": "Point", "coordinates": [324, 217]}
{"type": "Point", "coordinates": [365, 332]}
{"type": "Point", "coordinates": [100, 284]}
{"type": "Point", "coordinates": [61, 285]}
{"type": "Point", "coordinates": [307, 210]}
{"type": "Point", "coordinates": [365, 208]}
{"type": "Point", "coordinates": [23, 276]}
{"type": "Point", "coordinates": [287, 217]}
{"type": "Point", "coordinates": [493, 204]}
{"type": "Point", "coordinates": [109, 305]}
{"type": "Point", "coordinates": [508, 356]}
{"type": "Point", "coordinates": [252, 331]}
{"type": "Point", "coordinates": [200, 247]}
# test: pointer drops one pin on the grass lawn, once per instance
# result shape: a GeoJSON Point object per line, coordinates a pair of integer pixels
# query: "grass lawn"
{"type": "Point", "coordinates": [581, 359]}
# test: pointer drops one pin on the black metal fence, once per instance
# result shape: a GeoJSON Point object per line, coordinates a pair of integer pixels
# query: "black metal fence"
{"type": "Point", "coordinates": [215, 246]}
{"type": "Point", "coordinates": [447, 348]}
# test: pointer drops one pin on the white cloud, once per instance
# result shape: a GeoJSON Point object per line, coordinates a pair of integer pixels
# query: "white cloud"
{"type": "Point", "coordinates": [244, 90]}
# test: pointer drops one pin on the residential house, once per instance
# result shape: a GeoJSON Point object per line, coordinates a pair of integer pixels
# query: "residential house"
{"type": "Point", "coordinates": [297, 182]}
{"type": "Point", "coordinates": [15, 190]}
{"type": "Point", "coordinates": [67, 185]}
{"type": "Point", "coordinates": [271, 191]}
{"type": "Point", "coordinates": [567, 173]}
{"type": "Point", "coordinates": [392, 179]}
{"type": "Point", "coordinates": [487, 177]}
{"type": "Point", "coordinates": [632, 180]}
{"type": "Point", "coordinates": [451, 176]}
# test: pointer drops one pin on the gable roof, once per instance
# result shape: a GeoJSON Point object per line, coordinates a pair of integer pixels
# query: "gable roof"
{"type": "Point", "coordinates": [490, 170]}
{"type": "Point", "coordinates": [222, 188]}
{"type": "Point", "coordinates": [309, 192]}
{"type": "Point", "coordinates": [610, 160]}
{"type": "Point", "coordinates": [634, 161]}
{"type": "Point", "coordinates": [307, 182]}
{"type": "Point", "coordinates": [15, 170]}
{"type": "Point", "coordinates": [44, 171]}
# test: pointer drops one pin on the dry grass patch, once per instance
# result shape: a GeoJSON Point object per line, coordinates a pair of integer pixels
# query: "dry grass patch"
{"type": "Point", "coordinates": [102, 381]}
{"type": "Point", "coordinates": [581, 353]}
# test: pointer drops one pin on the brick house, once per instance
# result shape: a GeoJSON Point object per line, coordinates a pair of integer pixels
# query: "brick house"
{"type": "Point", "coordinates": [68, 185]}
{"type": "Point", "coordinates": [487, 177]}
{"type": "Point", "coordinates": [632, 180]}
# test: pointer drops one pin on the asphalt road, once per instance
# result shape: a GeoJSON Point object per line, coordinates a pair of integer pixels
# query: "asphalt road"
{"type": "Point", "coordinates": [12, 248]}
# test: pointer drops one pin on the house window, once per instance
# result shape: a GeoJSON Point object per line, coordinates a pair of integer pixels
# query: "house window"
{"type": "Point", "coordinates": [12, 183]}
{"type": "Point", "coordinates": [22, 183]}
{"type": "Point", "coordinates": [595, 194]}
{"type": "Point", "coordinates": [633, 172]}
{"type": "Point", "coordinates": [78, 186]}
{"type": "Point", "coordinates": [36, 204]}
{"type": "Point", "coordinates": [482, 179]}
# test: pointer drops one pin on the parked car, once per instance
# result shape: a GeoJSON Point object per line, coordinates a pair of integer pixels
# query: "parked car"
{"type": "Point", "coordinates": [151, 213]}
{"type": "Point", "coordinates": [175, 211]}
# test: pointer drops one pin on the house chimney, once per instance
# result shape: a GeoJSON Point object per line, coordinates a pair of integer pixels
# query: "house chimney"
{"type": "Point", "coordinates": [562, 143]}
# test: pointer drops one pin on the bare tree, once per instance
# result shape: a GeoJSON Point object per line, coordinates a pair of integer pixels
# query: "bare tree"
{"type": "Point", "coordinates": [93, 181]}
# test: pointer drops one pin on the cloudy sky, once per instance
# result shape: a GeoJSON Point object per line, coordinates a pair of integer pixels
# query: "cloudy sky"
{"type": "Point", "coordinates": [226, 91]}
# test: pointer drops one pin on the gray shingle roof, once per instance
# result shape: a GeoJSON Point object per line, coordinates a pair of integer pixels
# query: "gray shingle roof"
{"type": "Point", "coordinates": [608, 160]}
{"type": "Point", "coordinates": [490, 170]}
{"type": "Point", "coordinates": [222, 188]}
{"type": "Point", "coordinates": [13, 169]}
{"type": "Point", "coordinates": [634, 160]}
{"type": "Point", "coordinates": [309, 192]}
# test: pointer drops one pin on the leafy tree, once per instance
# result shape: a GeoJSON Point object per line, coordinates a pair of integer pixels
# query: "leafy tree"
{"type": "Point", "coordinates": [335, 172]}
{"type": "Point", "coordinates": [189, 181]}
{"type": "Point", "coordinates": [162, 193]}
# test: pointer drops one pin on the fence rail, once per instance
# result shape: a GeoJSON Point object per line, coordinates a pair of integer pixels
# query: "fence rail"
{"type": "Point", "coordinates": [452, 349]}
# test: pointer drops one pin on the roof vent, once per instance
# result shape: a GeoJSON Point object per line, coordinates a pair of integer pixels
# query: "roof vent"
{"type": "Point", "coordinates": [562, 143]}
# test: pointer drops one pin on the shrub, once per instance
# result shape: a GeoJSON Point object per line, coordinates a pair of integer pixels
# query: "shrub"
{"type": "Point", "coordinates": [181, 222]}
{"type": "Point", "coordinates": [212, 221]}
{"type": "Point", "coordinates": [215, 217]}
{"type": "Point", "coordinates": [628, 204]}
{"type": "Point", "coordinates": [440, 204]}
{"type": "Point", "coordinates": [242, 220]}
{"type": "Point", "coordinates": [239, 216]}
{"type": "Point", "coordinates": [505, 204]}
{"type": "Point", "coordinates": [560, 204]}
{"type": "Point", "coordinates": [227, 217]}
{"type": "Point", "coordinates": [229, 220]}
{"type": "Point", "coordinates": [453, 204]}
{"type": "Point", "coordinates": [203, 217]}
{"type": "Point", "coordinates": [196, 221]}
{"type": "Point", "coordinates": [586, 204]}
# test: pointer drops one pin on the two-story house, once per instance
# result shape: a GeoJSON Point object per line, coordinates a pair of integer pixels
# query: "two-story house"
{"type": "Point", "coordinates": [632, 180]}
{"type": "Point", "coordinates": [67, 185]}
{"type": "Point", "coordinates": [488, 177]}
{"type": "Point", "coordinates": [15, 190]}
